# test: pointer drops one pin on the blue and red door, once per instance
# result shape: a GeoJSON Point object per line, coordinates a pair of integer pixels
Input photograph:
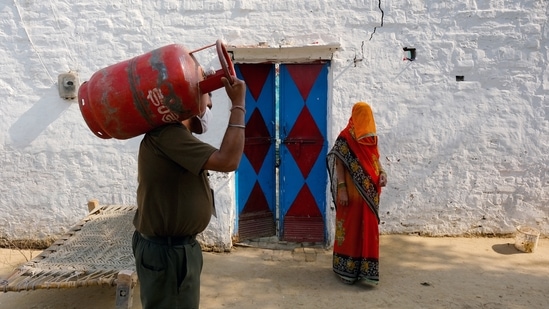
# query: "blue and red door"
{"type": "Point", "coordinates": [281, 180]}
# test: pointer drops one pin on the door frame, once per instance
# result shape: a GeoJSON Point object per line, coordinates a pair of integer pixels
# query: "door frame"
{"type": "Point", "coordinates": [293, 54]}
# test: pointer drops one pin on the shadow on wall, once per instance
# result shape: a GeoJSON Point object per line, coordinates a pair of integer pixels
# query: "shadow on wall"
{"type": "Point", "coordinates": [35, 120]}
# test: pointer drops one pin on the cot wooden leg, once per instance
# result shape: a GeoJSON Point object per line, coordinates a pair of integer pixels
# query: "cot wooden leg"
{"type": "Point", "coordinates": [126, 280]}
{"type": "Point", "coordinates": [92, 204]}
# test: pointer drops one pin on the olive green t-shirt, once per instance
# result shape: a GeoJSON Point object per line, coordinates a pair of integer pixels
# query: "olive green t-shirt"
{"type": "Point", "coordinates": [173, 194]}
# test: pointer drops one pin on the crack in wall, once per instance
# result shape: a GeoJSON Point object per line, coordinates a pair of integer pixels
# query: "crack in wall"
{"type": "Point", "coordinates": [382, 16]}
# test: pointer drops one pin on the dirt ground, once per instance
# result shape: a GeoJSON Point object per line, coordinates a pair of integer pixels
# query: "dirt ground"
{"type": "Point", "coordinates": [415, 272]}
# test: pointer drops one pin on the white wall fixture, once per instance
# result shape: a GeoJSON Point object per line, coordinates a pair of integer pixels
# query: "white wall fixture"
{"type": "Point", "coordinates": [68, 84]}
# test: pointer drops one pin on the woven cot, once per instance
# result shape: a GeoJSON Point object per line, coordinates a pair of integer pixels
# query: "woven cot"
{"type": "Point", "coordinates": [96, 251]}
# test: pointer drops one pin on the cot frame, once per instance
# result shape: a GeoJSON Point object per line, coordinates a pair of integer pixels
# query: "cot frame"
{"type": "Point", "coordinates": [85, 264]}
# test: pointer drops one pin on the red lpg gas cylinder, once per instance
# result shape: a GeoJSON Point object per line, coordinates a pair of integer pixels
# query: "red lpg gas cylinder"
{"type": "Point", "coordinates": [135, 96]}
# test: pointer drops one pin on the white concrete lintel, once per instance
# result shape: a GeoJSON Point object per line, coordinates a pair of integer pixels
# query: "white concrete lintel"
{"type": "Point", "coordinates": [282, 54]}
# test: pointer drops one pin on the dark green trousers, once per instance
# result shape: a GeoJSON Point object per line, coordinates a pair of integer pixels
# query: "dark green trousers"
{"type": "Point", "coordinates": [169, 274]}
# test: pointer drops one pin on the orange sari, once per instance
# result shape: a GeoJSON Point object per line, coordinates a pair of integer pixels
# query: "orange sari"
{"type": "Point", "coordinates": [356, 245]}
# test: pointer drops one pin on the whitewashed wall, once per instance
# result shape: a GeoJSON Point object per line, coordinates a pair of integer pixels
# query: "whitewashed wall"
{"type": "Point", "coordinates": [462, 157]}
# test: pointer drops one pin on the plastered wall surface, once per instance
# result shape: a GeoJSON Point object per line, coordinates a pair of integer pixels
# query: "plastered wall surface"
{"type": "Point", "coordinates": [463, 157]}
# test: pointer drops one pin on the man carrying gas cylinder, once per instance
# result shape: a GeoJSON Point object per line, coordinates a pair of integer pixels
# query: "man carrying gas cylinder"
{"type": "Point", "coordinates": [175, 201]}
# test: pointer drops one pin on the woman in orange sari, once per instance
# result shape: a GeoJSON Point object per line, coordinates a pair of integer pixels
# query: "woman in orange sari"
{"type": "Point", "coordinates": [356, 179]}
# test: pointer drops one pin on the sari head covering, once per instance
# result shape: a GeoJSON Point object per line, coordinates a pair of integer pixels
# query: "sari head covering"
{"type": "Point", "coordinates": [361, 124]}
{"type": "Point", "coordinates": [356, 147]}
